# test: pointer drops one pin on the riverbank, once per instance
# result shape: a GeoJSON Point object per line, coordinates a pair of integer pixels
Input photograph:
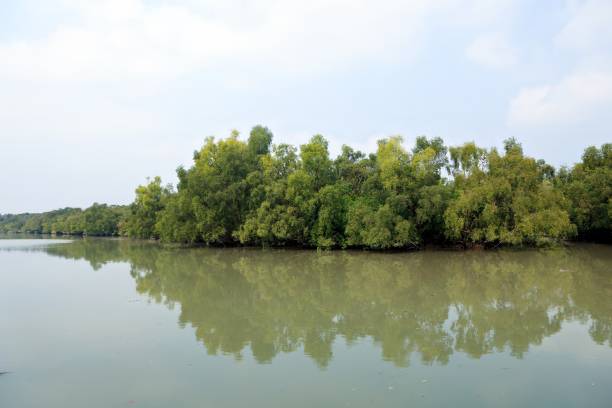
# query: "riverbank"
{"type": "Point", "coordinates": [428, 247]}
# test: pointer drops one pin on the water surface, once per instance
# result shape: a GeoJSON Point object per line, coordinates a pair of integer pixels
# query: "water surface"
{"type": "Point", "coordinates": [114, 323]}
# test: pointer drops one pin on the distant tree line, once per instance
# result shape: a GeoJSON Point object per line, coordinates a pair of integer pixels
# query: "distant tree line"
{"type": "Point", "coordinates": [255, 193]}
{"type": "Point", "coordinates": [97, 220]}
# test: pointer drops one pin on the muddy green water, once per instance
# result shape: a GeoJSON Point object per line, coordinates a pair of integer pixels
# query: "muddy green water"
{"type": "Point", "coordinates": [115, 323]}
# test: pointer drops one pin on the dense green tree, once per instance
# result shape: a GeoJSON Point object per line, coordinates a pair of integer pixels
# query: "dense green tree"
{"type": "Point", "coordinates": [253, 192]}
{"type": "Point", "coordinates": [504, 199]}
{"type": "Point", "coordinates": [212, 195]}
{"type": "Point", "coordinates": [332, 208]}
{"type": "Point", "coordinates": [379, 228]}
{"type": "Point", "coordinates": [260, 140]}
{"type": "Point", "coordinates": [588, 186]}
{"type": "Point", "coordinates": [466, 159]}
{"type": "Point", "coordinates": [315, 160]}
{"type": "Point", "coordinates": [149, 202]}
{"type": "Point", "coordinates": [12, 223]}
{"type": "Point", "coordinates": [177, 223]}
{"type": "Point", "coordinates": [274, 220]}
{"type": "Point", "coordinates": [404, 199]}
{"type": "Point", "coordinates": [101, 220]}
{"type": "Point", "coordinates": [97, 220]}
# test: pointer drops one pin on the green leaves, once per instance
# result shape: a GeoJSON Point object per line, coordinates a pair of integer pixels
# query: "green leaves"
{"type": "Point", "coordinates": [256, 193]}
{"type": "Point", "coordinates": [379, 228]}
{"type": "Point", "coordinates": [393, 163]}
{"type": "Point", "coordinates": [97, 220]}
{"type": "Point", "coordinates": [504, 200]}
{"type": "Point", "coordinates": [316, 162]}
{"type": "Point", "coordinates": [150, 201]}
{"type": "Point", "coordinates": [332, 202]}
{"type": "Point", "coordinates": [588, 187]}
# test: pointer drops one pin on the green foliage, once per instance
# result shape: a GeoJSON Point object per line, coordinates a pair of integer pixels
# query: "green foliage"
{"type": "Point", "coordinates": [393, 163]}
{"type": "Point", "coordinates": [588, 186]}
{"type": "Point", "coordinates": [379, 228]}
{"type": "Point", "coordinates": [212, 195]}
{"type": "Point", "coordinates": [260, 140]}
{"type": "Point", "coordinates": [256, 193]}
{"type": "Point", "coordinates": [150, 201]}
{"type": "Point", "coordinates": [504, 199]}
{"type": "Point", "coordinates": [315, 160]}
{"type": "Point", "coordinates": [332, 201]}
{"type": "Point", "coordinates": [97, 220]}
{"type": "Point", "coordinates": [432, 202]}
{"type": "Point", "coordinates": [466, 159]}
{"type": "Point", "coordinates": [12, 223]}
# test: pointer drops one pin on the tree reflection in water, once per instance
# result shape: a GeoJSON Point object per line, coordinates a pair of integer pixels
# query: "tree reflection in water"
{"type": "Point", "coordinates": [429, 304]}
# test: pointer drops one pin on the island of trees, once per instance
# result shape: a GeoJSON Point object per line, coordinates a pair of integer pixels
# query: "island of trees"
{"type": "Point", "coordinates": [256, 193]}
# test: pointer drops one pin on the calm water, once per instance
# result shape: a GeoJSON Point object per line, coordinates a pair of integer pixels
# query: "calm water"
{"type": "Point", "coordinates": [113, 323]}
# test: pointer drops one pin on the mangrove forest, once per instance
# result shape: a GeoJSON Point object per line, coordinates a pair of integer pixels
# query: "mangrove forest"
{"type": "Point", "coordinates": [255, 193]}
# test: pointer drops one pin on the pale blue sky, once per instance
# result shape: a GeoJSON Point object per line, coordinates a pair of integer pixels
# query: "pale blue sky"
{"type": "Point", "coordinates": [97, 95]}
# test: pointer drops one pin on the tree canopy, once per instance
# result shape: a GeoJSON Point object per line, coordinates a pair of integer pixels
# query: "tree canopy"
{"type": "Point", "coordinates": [254, 192]}
{"type": "Point", "coordinates": [97, 220]}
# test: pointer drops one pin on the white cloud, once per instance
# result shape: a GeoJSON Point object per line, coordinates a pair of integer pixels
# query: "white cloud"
{"type": "Point", "coordinates": [493, 51]}
{"type": "Point", "coordinates": [585, 91]}
{"type": "Point", "coordinates": [577, 97]}
{"type": "Point", "coordinates": [474, 13]}
{"type": "Point", "coordinates": [124, 39]}
{"type": "Point", "coordinates": [589, 27]}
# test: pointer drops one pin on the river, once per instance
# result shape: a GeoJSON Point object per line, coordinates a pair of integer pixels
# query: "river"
{"type": "Point", "coordinates": [120, 323]}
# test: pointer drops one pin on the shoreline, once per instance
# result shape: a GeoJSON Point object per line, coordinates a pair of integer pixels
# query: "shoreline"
{"type": "Point", "coordinates": [424, 248]}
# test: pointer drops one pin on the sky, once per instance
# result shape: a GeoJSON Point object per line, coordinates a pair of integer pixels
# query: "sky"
{"type": "Point", "coordinates": [98, 95]}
